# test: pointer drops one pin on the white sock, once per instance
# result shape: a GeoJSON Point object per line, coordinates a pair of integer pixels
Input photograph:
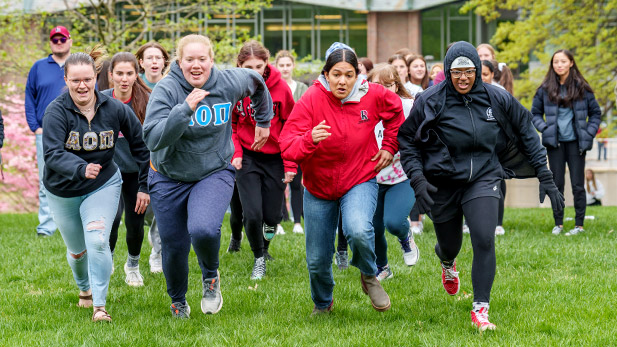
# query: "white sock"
{"type": "Point", "coordinates": [478, 305]}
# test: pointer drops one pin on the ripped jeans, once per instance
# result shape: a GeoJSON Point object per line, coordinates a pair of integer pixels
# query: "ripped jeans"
{"type": "Point", "coordinates": [85, 223]}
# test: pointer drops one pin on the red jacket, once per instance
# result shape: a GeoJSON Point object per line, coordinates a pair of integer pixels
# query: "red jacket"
{"type": "Point", "coordinates": [243, 123]}
{"type": "Point", "coordinates": [335, 165]}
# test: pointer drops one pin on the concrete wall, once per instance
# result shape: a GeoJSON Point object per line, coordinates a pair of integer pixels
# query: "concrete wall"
{"type": "Point", "coordinates": [391, 31]}
{"type": "Point", "coordinates": [524, 193]}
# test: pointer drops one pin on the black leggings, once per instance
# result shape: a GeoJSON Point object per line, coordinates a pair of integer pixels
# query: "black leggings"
{"type": "Point", "coordinates": [502, 203]}
{"type": "Point", "coordinates": [481, 216]}
{"type": "Point", "coordinates": [235, 218]}
{"type": "Point", "coordinates": [261, 192]}
{"type": "Point", "coordinates": [134, 222]}
{"type": "Point", "coordinates": [568, 152]}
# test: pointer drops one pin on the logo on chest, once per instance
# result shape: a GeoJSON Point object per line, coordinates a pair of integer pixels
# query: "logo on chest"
{"type": "Point", "coordinates": [363, 117]}
{"type": "Point", "coordinates": [489, 115]}
{"type": "Point", "coordinates": [218, 114]}
{"type": "Point", "coordinates": [91, 141]}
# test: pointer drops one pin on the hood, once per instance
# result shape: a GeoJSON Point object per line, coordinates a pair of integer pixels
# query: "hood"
{"type": "Point", "coordinates": [360, 88]}
{"type": "Point", "coordinates": [464, 49]}
{"type": "Point", "coordinates": [175, 72]}
{"type": "Point", "coordinates": [272, 76]}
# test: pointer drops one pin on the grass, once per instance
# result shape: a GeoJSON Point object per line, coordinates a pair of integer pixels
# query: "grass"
{"type": "Point", "coordinates": [548, 291]}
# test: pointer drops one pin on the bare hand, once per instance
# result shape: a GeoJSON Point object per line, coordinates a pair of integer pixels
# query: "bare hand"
{"type": "Point", "coordinates": [143, 200]}
{"type": "Point", "coordinates": [38, 131]}
{"type": "Point", "coordinates": [320, 132]}
{"type": "Point", "coordinates": [385, 159]}
{"type": "Point", "coordinates": [195, 97]}
{"type": "Point", "coordinates": [237, 163]}
{"type": "Point", "coordinates": [261, 136]}
{"type": "Point", "coordinates": [289, 176]}
{"type": "Point", "coordinates": [92, 170]}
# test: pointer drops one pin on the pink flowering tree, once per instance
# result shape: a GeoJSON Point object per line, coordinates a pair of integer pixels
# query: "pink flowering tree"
{"type": "Point", "coordinates": [19, 189]}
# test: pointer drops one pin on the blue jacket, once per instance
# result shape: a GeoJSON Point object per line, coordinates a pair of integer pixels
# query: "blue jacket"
{"type": "Point", "coordinates": [587, 117]}
{"type": "Point", "coordinates": [45, 83]}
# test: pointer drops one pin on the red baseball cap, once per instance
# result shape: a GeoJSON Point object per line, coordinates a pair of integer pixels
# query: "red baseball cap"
{"type": "Point", "coordinates": [60, 30]}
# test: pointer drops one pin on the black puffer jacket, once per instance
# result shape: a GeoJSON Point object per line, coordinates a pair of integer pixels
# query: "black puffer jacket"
{"type": "Point", "coordinates": [587, 118]}
{"type": "Point", "coordinates": [423, 153]}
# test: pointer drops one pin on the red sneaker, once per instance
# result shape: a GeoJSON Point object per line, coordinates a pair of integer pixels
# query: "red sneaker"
{"type": "Point", "coordinates": [449, 278]}
{"type": "Point", "coordinates": [479, 319]}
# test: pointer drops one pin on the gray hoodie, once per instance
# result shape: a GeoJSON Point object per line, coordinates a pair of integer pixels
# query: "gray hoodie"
{"type": "Point", "coordinates": [189, 146]}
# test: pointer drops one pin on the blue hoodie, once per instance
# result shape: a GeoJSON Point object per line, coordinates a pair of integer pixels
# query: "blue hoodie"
{"type": "Point", "coordinates": [189, 145]}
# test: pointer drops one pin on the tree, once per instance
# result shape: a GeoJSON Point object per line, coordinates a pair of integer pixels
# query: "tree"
{"type": "Point", "coordinates": [586, 27]}
{"type": "Point", "coordinates": [127, 24]}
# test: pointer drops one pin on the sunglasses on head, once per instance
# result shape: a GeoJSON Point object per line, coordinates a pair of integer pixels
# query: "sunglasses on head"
{"type": "Point", "coordinates": [55, 40]}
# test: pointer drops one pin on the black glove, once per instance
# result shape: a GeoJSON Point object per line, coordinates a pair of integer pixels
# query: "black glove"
{"type": "Point", "coordinates": [422, 188]}
{"type": "Point", "coordinates": [548, 187]}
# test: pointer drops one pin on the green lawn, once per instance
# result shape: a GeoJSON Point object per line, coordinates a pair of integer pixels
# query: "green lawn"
{"type": "Point", "coordinates": [548, 291]}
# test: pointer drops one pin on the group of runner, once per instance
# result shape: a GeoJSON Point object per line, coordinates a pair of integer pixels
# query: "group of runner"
{"type": "Point", "coordinates": [370, 147]}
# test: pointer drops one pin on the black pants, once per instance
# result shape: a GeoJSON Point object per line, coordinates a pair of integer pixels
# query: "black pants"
{"type": "Point", "coordinates": [235, 218]}
{"type": "Point", "coordinates": [297, 195]}
{"type": "Point", "coordinates": [134, 222]}
{"type": "Point", "coordinates": [262, 191]}
{"type": "Point", "coordinates": [481, 217]}
{"type": "Point", "coordinates": [502, 202]}
{"type": "Point", "coordinates": [568, 152]}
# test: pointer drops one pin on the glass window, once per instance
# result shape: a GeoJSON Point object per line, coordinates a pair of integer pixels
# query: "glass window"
{"type": "Point", "coordinates": [459, 30]}
{"type": "Point", "coordinates": [357, 38]}
{"type": "Point", "coordinates": [431, 38]}
{"type": "Point", "coordinates": [301, 40]}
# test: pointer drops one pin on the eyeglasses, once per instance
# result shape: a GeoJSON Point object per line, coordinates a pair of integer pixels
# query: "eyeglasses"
{"type": "Point", "coordinates": [468, 73]}
{"type": "Point", "coordinates": [77, 82]}
{"type": "Point", "coordinates": [55, 40]}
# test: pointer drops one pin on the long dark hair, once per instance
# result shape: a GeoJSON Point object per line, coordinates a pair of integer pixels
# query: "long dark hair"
{"type": "Point", "coordinates": [338, 56]}
{"type": "Point", "coordinates": [575, 84]}
{"type": "Point", "coordinates": [140, 93]}
{"type": "Point", "coordinates": [424, 82]}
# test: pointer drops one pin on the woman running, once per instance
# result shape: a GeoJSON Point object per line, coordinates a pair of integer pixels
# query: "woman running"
{"type": "Point", "coordinates": [418, 72]}
{"type": "Point", "coordinates": [330, 133]}
{"type": "Point", "coordinates": [460, 140]}
{"type": "Point", "coordinates": [131, 91]}
{"type": "Point", "coordinates": [400, 63]}
{"type": "Point", "coordinates": [567, 114]}
{"type": "Point", "coordinates": [82, 127]}
{"type": "Point", "coordinates": [153, 62]}
{"type": "Point", "coordinates": [191, 180]}
{"type": "Point", "coordinates": [261, 176]}
{"type": "Point", "coordinates": [395, 197]}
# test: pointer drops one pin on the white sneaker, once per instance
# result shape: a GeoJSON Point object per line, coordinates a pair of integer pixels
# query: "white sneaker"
{"type": "Point", "coordinates": [557, 230]}
{"type": "Point", "coordinates": [298, 229]}
{"type": "Point", "coordinates": [499, 230]}
{"type": "Point", "coordinates": [133, 277]}
{"type": "Point", "coordinates": [280, 230]}
{"type": "Point", "coordinates": [411, 253]}
{"type": "Point", "coordinates": [156, 262]}
{"type": "Point", "coordinates": [212, 299]}
{"type": "Point", "coordinates": [465, 229]}
{"type": "Point", "coordinates": [575, 231]}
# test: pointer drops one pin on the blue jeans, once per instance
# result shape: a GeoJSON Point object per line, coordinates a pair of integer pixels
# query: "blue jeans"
{"type": "Point", "coordinates": [85, 223]}
{"type": "Point", "coordinates": [46, 225]}
{"type": "Point", "coordinates": [357, 207]}
{"type": "Point", "coordinates": [190, 213]}
{"type": "Point", "coordinates": [394, 202]}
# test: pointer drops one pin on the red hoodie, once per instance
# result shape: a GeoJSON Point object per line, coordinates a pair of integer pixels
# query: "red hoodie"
{"type": "Point", "coordinates": [335, 165]}
{"type": "Point", "coordinates": [243, 123]}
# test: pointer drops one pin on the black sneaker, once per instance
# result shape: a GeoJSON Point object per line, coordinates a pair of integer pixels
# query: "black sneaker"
{"type": "Point", "coordinates": [267, 256]}
{"type": "Point", "coordinates": [180, 310]}
{"type": "Point", "coordinates": [269, 231]}
{"type": "Point", "coordinates": [234, 245]}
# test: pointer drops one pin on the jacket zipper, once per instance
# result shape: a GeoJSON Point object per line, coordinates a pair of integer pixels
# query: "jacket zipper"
{"type": "Point", "coordinates": [95, 110]}
{"type": "Point", "coordinates": [473, 126]}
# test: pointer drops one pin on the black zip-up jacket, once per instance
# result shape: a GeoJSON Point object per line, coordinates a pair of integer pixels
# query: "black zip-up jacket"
{"type": "Point", "coordinates": [70, 143]}
{"type": "Point", "coordinates": [587, 118]}
{"type": "Point", "coordinates": [424, 152]}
